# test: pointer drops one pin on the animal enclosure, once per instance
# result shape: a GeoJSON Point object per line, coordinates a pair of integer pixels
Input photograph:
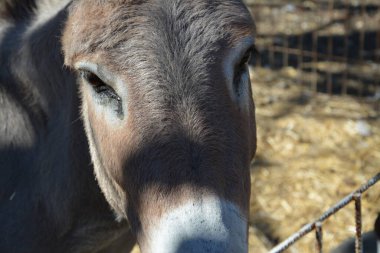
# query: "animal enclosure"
{"type": "Point", "coordinates": [332, 46]}
{"type": "Point", "coordinates": [316, 86]}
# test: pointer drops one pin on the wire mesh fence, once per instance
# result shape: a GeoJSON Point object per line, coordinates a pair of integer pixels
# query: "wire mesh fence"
{"type": "Point", "coordinates": [328, 46]}
{"type": "Point", "coordinates": [333, 45]}
{"type": "Point", "coordinates": [317, 224]}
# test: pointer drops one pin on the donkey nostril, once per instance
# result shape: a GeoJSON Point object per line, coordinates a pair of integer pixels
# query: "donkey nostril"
{"type": "Point", "coordinates": [209, 224]}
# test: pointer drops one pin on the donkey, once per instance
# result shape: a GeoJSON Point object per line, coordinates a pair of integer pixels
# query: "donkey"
{"type": "Point", "coordinates": [125, 121]}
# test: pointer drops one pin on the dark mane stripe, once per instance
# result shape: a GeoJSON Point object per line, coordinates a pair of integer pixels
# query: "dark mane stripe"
{"type": "Point", "coordinates": [17, 9]}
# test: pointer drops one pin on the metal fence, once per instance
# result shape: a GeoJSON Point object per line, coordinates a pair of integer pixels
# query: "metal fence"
{"type": "Point", "coordinates": [334, 45]}
{"type": "Point", "coordinates": [317, 224]}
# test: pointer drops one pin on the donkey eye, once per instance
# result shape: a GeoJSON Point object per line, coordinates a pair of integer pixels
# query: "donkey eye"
{"type": "Point", "coordinates": [99, 86]}
{"type": "Point", "coordinates": [93, 80]}
{"type": "Point", "coordinates": [241, 71]}
{"type": "Point", "coordinates": [246, 58]}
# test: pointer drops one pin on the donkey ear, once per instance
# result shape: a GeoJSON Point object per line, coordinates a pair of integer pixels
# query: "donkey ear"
{"type": "Point", "coordinates": [16, 9]}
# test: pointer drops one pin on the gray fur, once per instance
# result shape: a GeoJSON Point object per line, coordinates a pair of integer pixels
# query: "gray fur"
{"type": "Point", "coordinates": [49, 198]}
{"type": "Point", "coordinates": [45, 190]}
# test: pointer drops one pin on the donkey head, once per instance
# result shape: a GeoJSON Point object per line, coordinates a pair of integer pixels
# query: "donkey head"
{"type": "Point", "coordinates": [169, 116]}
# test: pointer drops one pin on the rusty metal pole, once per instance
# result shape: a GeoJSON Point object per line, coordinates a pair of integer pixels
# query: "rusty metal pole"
{"type": "Point", "coordinates": [330, 47]}
{"type": "Point", "coordinates": [362, 31]}
{"type": "Point", "coordinates": [358, 223]}
{"type": "Point", "coordinates": [315, 62]}
{"type": "Point", "coordinates": [258, 61]}
{"type": "Point", "coordinates": [271, 56]}
{"type": "Point", "coordinates": [285, 59]}
{"type": "Point", "coordinates": [300, 58]}
{"type": "Point", "coordinates": [319, 237]}
{"type": "Point", "coordinates": [331, 211]}
{"type": "Point", "coordinates": [347, 32]}
{"type": "Point", "coordinates": [377, 105]}
{"type": "Point", "coordinates": [362, 39]}
{"type": "Point", "coordinates": [377, 81]}
{"type": "Point", "coordinates": [378, 47]}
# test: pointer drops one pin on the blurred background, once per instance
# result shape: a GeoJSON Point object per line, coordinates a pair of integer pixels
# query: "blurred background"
{"type": "Point", "coordinates": [316, 85]}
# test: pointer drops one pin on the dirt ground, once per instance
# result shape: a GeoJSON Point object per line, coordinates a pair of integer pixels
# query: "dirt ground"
{"type": "Point", "coordinates": [312, 151]}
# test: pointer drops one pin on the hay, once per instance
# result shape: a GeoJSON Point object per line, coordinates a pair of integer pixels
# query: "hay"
{"type": "Point", "coordinates": [312, 151]}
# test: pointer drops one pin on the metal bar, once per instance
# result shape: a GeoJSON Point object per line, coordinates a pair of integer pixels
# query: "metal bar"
{"type": "Point", "coordinates": [362, 31]}
{"type": "Point", "coordinates": [377, 50]}
{"type": "Point", "coordinates": [309, 227]}
{"type": "Point", "coordinates": [377, 103]}
{"type": "Point", "coordinates": [286, 54]}
{"type": "Point", "coordinates": [362, 39]}
{"type": "Point", "coordinates": [259, 61]}
{"type": "Point", "coordinates": [315, 60]}
{"type": "Point", "coordinates": [358, 223]}
{"type": "Point", "coordinates": [300, 59]}
{"type": "Point", "coordinates": [316, 30]}
{"type": "Point", "coordinates": [271, 56]}
{"type": "Point", "coordinates": [296, 51]}
{"type": "Point", "coordinates": [330, 47]}
{"type": "Point", "coordinates": [346, 46]}
{"type": "Point", "coordinates": [378, 47]}
{"type": "Point", "coordinates": [319, 237]}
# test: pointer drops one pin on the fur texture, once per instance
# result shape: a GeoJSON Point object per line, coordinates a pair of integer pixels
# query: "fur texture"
{"type": "Point", "coordinates": [49, 199]}
{"type": "Point", "coordinates": [182, 135]}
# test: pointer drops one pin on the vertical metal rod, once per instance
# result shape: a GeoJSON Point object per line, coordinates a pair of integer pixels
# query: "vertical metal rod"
{"type": "Point", "coordinates": [330, 47]}
{"type": "Point", "coordinates": [377, 50]}
{"type": "Point", "coordinates": [256, 14]}
{"type": "Point", "coordinates": [347, 32]}
{"type": "Point", "coordinates": [362, 31]}
{"type": "Point", "coordinates": [378, 47]}
{"type": "Point", "coordinates": [285, 59]}
{"type": "Point", "coordinates": [319, 237]}
{"type": "Point", "coordinates": [358, 223]}
{"type": "Point", "coordinates": [271, 56]}
{"type": "Point", "coordinates": [272, 44]}
{"type": "Point", "coordinates": [377, 81]}
{"type": "Point", "coordinates": [315, 62]}
{"type": "Point", "coordinates": [300, 58]}
{"type": "Point", "coordinates": [258, 60]}
{"type": "Point", "coordinates": [362, 39]}
{"type": "Point", "coordinates": [306, 229]}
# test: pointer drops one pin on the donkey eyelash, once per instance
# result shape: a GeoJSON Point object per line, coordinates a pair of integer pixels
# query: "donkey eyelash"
{"type": "Point", "coordinates": [247, 57]}
{"type": "Point", "coordinates": [92, 79]}
{"type": "Point", "coordinates": [242, 68]}
{"type": "Point", "coordinates": [251, 52]}
{"type": "Point", "coordinates": [99, 85]}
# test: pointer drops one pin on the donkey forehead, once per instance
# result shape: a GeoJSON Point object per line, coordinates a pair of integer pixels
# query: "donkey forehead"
{"type": "Point", "coordinates": [124, 30]}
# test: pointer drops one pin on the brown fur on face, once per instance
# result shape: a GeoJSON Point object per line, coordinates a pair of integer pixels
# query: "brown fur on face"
{"type": "Point", "coordinates": [181, 134]}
